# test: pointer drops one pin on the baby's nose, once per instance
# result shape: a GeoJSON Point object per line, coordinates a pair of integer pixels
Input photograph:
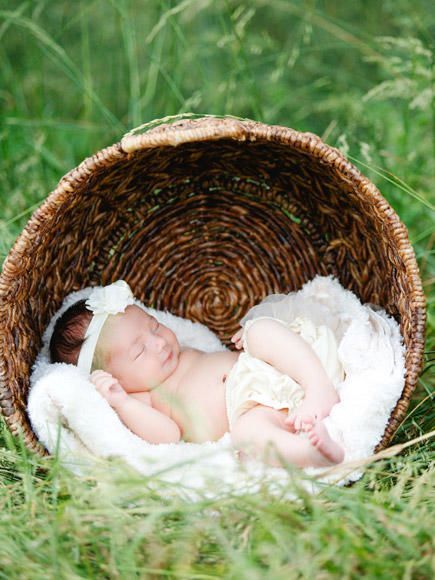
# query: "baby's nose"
{"type": "Point", "coordinates": [158, 342]}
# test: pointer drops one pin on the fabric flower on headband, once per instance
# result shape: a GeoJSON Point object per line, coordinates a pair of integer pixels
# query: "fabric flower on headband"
{"type": "Point", "coordinates": [111, 299]}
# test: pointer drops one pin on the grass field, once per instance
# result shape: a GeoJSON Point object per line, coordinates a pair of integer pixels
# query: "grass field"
{"type": "Point", "coordinates": [73, 78]}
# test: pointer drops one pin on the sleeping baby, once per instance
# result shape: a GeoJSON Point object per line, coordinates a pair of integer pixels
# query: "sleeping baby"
{"type": "Point", "coordinates": [271, 394]}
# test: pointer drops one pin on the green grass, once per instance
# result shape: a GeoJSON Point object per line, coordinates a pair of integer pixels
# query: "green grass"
{"type": "Point", "coordinates": [74, 77]}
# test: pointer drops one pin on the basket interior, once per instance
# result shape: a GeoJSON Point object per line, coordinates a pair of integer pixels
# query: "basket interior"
{"type": "Point", "coordinates": [204, 230]}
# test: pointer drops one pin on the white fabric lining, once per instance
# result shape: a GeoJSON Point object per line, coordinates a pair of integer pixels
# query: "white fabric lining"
{"type": "Point", "coordinates": [371, 351]}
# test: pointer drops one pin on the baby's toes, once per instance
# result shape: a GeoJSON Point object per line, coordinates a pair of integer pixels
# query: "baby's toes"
{"type": "Point", "coordinates": [313, 437]}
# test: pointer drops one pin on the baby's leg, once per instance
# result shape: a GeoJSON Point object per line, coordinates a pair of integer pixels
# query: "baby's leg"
{"type": "Point", "coordinates": [289, 353]}
{"type": "Point", "coordinates": [262, 433]}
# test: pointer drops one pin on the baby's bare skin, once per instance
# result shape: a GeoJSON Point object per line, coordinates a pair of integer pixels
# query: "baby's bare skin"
{"type": "Point", "coordinates": [197, 390]}
{"type": "Point", "coordinates": [185, 394]}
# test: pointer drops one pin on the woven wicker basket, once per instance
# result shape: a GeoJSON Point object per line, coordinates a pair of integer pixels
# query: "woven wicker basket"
{"type": "Point", "coordinates": [205, 217]}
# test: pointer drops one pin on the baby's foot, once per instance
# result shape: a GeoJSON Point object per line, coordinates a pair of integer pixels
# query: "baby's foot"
{"type": "Point", "coordinates": [320, 439]}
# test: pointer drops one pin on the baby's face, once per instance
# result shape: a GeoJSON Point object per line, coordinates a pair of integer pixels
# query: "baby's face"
{"type": "Point", "coordinates": [137, 348]}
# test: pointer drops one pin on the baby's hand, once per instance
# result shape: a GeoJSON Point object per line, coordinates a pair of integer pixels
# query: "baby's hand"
{"type": "Point", "coordinates": [237, 339]}
{"type": "Point", "coordinates": [311, 410]}
{"type": "Point", "coordinates": [109, 388]}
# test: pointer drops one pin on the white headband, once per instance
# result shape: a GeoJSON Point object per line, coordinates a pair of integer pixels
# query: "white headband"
{"type": "Point", "coordinates": [110, 299]}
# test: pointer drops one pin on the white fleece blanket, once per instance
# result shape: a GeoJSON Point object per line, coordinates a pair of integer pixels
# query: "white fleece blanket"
{"type": "Point", "coordinates": [72, 419]}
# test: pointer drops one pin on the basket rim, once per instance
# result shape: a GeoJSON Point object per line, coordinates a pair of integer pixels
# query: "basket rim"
{"type": "Point", "coordinates": [213, 128]}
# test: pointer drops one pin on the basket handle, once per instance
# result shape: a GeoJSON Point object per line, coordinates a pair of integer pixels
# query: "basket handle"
{"type": "Point", "coordinates": [171, 119]}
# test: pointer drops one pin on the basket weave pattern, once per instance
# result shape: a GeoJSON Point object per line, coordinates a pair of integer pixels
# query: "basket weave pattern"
{"type": "Point", "coordinates": [204, 218]}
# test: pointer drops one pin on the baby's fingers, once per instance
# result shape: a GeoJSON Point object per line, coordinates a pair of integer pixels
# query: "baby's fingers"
{"type": "Point", "coordinates": [98, 375]}
{"type": "Point", "coordinates": [236, 337]}
{"type": "Point", "coordinates": [290, 423]}
{"type": "Point", "coordinates": [297, 422]}
{"type": "Point", "coordinates": [109, 383]}
{"type": "Point", "coordinates": [105, 385]}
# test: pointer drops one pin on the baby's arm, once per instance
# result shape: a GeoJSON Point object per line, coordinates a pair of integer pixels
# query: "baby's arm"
{"type": "Point", "coordinates": [142, 419]}
{"type": "Point", "coordinates": [289, 353]}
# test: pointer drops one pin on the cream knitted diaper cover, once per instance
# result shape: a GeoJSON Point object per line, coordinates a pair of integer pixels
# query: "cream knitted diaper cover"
{"type": "Point", "coordinates": [251, 380]}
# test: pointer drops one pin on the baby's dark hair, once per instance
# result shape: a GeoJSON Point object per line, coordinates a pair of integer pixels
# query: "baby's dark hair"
{"type": "Point", "coordinates": [69, 333]}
